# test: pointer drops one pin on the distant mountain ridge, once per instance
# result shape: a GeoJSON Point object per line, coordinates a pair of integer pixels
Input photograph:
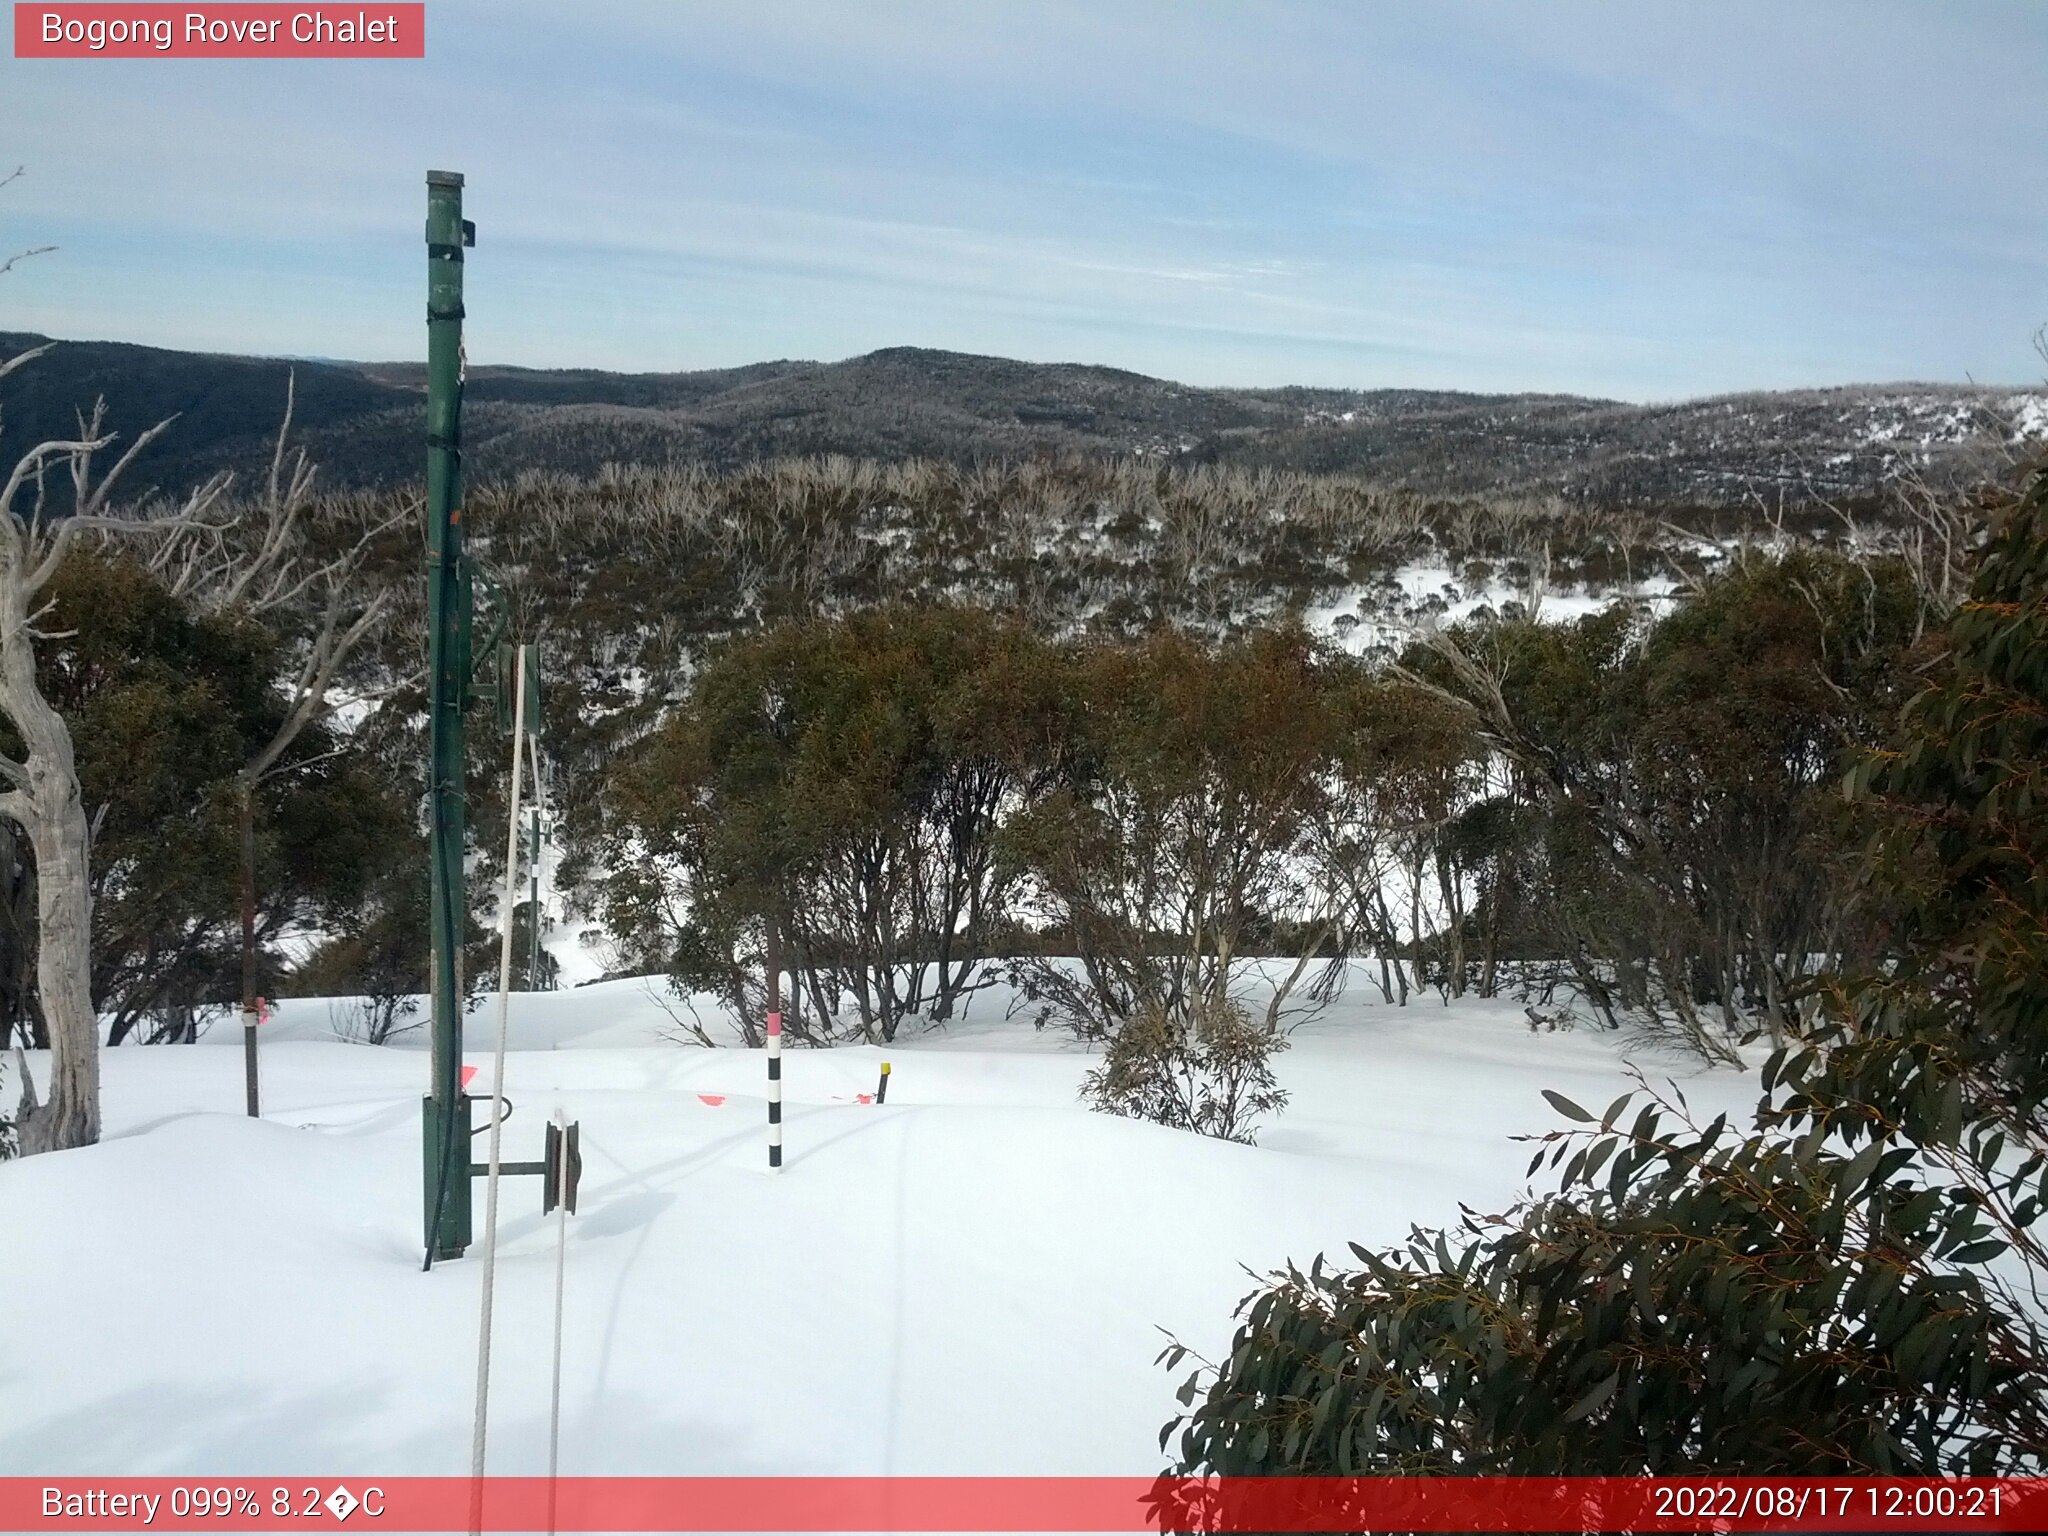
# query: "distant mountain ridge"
{"type": "Point", "coordinates": [362, 423]}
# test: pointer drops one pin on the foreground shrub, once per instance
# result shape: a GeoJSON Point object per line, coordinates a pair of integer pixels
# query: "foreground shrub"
{"type": "Point", "coordinates": [1206, 1069]}
{"type": "Point", "coordinates": [1712, 1303]}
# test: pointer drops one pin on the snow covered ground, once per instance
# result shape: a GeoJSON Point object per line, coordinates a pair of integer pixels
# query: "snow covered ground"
{"type": "Point", "coordinates": [1424, 596]}
{"type": "Point", "coordinates": [968, 1279]}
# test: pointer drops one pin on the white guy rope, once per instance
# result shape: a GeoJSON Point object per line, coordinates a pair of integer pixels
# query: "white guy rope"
{"type": "Point", "coordinates": [483, 1338]}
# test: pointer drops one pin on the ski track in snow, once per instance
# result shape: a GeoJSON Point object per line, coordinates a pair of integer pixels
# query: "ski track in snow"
{"type": "Point", "coordinates": [969, 1279]}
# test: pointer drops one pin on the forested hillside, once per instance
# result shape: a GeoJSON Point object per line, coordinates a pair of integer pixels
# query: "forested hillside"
{"type": "Point", "coordinates": [361, 423]}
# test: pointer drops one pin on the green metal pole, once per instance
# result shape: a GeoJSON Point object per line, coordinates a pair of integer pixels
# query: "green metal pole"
{"type": "Point", "coordinates": [446, 1119]}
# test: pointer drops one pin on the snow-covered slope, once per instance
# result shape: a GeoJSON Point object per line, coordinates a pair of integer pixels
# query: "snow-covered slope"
{"type": "Point", "coordinates": [968, 1279]}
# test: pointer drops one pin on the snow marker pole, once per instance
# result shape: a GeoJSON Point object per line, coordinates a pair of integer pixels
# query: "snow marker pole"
{"type": "Point", "coordinates": [882, 1088]}
{"type": "Point", "coordinates": [775, 1090]}
{"type": "Point", "coordinates": [774, 1046]}
{"type": "Point", "coordinates": [483, 1337]}
{"type": "Point", "coordinates": [250, 1089]}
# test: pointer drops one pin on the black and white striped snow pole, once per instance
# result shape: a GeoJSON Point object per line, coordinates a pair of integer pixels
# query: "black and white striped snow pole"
{"type": "Point", "coordinates": [775, 1090]}
{"type": "Point", "coordinates": [774, 1047]}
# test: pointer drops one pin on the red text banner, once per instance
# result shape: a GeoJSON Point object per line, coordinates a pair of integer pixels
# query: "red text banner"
{"type": "Point", "coordinates": [234, 31]}
{"type": "Point", "coordinates": [1017, 1504]}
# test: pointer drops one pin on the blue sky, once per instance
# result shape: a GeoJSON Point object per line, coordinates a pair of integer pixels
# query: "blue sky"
{"type": "Point", "coordinates": [1648, 201]}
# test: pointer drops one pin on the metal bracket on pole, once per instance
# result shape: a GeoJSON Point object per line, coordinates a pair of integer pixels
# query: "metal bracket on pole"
{"type": "Point", "coordinates": [564, 1166]}
{"type": "Point", "coordinates": [560, 1166]}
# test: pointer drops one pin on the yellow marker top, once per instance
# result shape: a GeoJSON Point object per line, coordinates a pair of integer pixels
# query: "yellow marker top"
{"type": "Point", "coordinates": [885, 1066]}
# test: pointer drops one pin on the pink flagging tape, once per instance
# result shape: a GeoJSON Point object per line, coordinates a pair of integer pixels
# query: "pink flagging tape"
{"type": "Point", "coordinates": [713, 1099]}
{"type": "Point", "coordinates": [774, 1023]}
{"type": "Point", "coordinates": [468, 1077]}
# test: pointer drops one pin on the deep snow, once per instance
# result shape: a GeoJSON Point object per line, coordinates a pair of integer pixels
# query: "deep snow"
{"type": "Point", "coordinates": [968, 1279]}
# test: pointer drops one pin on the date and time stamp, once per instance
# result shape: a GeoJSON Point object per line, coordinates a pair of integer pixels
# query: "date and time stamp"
{"type": "Point", "coordinates": [1796, 1502]}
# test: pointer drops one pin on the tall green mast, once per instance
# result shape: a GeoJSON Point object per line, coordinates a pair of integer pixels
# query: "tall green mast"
{"type": "Point", "coordinates": [446, 1118]}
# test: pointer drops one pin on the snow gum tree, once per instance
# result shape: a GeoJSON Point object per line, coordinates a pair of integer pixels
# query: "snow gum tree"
{"type": "Point", "coordinates": [845, 779]}
{"type": "Point", "coordinates": [1663, 829]}
{"type": "Point", "coordinates": [166, 703]}
{"type": "Point", "coordinates": [1184, 823]}
{"type": "Point", "coordinates": [39, 527]}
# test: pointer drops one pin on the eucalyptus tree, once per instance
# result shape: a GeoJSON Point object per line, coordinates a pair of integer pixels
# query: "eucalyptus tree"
{"type": "Point", "coordinates": [261, 566]}
{"type": "Point", "coordinates": [39, 528]}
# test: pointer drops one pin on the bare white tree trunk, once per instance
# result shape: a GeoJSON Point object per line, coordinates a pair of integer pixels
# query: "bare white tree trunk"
{"type": "Point", "coordinates": [48, 807]}
{"type": "Point", "coordinates": [41, 791]}
{"type": "Point", "coordinates": [42, 795]}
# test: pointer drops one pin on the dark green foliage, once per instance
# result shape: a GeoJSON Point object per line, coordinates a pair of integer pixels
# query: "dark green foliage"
{"type": "Point", "coordinates": [1832, 1293]}
{"type": "Point", "coordinates": [1690, 1301]}
{"type": "Point", "coordinates": [165, 706]}
{"type": "Point", "coordinates": [903, 789]}
{"type": "Point", "coordinates": [845, 778]}
{"type": "Point", "coordinates": [1669, 839]}
{"type": "Point", "coordinates": [1639, 811]}
{"type": "Point", "coordinates": [1963, 801]}
{"type": "Point", "coordinates": [1186, 813]}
